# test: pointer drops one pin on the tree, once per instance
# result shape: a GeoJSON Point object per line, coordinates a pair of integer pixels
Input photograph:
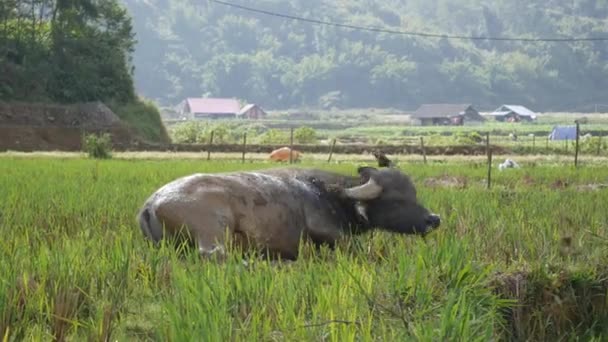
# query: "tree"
{"type": "Point", "coordinates": [72, 51]}
{"type": "Point", "coordinates": [202, 48]}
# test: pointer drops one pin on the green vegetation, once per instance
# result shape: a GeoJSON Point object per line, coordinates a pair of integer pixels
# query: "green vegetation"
{"type": "Point", "coordinates": [73, 51]}
{"type": "Point", "coordinates": [144, 116]}
{"type": "Point", "coordinates": [231, 132]}
{"type": "Point", "coordinates": [201, 48]}
{"type": "Point", "coordinates": [526, 259]}
{"type": "Point", "coordinates": [98, 146]}
{"type": "Point", "coordinates": [531, 138]}
{"type": "Point", "coordinates": [304, 135]}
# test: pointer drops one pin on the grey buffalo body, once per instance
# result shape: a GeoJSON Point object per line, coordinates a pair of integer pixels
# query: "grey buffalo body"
{"type": "Point", "coordinates": [272, 210]}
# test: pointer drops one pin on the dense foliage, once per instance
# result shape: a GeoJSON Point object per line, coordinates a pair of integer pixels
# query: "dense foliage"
{"type": "Point", "coordinates": [70, 51]}
{"type": "Point", "coordinates": [194, 48]}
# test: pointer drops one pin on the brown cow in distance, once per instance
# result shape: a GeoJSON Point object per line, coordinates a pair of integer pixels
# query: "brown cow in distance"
{"type": "Point", "coordinates": [282, 155]}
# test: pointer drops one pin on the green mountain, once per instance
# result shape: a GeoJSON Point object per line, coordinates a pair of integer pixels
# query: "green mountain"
{"type": "Point", "coordinates": [200, 48]}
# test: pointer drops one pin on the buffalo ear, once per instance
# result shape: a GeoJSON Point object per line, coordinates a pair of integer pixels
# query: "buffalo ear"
{"type": "Point", "coordinates": [366, 171]}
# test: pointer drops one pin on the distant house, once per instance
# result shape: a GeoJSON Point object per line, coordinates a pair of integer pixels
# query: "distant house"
{"type": "Point", "coordinates": [563, 133]}
{"type": "Point", "coordinates": [252, 111]}
{"type": "Point", "coordinates": [446, 114]}
{"type": "Point", "coordinates": [512, 113]}
{"type": "Point", "coordinates": [209, 108]}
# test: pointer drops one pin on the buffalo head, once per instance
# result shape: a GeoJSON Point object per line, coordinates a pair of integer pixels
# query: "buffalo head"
{"type": "Point", "coordinates": [388, 200]}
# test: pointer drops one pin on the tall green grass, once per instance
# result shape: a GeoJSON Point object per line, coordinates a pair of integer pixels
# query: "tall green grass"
{"type": "Point", "coordinates": [524, 260]}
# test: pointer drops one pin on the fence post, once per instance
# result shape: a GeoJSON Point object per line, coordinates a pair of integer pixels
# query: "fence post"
{"type": "Point", "coordinates": [533, 142]}
{"type": "Point", "coordinates": [489, 169]}
{"type": "Point", "coordinates": [423, 149]}
{"type": "Point", "coordinates": [244, 146]}
{"type": "Point", "coordinates": [291, 147]}
{"type": "Point", "coordinates": [576, 145]}
{"type": "Point", "coordinates": [331, 150]}
{"type": "Point", "coordinates": [209, 145]}
{"type": "Point", "coordinates": [488, 143]}
{"type": "Point", "coordinates": [599, 145]}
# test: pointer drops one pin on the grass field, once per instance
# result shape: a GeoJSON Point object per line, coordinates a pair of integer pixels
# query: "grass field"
{"type": "Point", "coordinates": [524, 260]}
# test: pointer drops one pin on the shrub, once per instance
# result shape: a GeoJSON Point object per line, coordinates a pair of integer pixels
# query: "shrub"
{"type": "Point", "coordinates": [274, 136]}
{"type": "Point", "coordinates": [468, 138]}
{"type": "Point", "coordinates": [305, 135]}
{"type": "Point", "coordinates": [98, 147]}
{"type": "Point", "coordinates": [476, 137]}
{"type": "Point", "coordinates": [593, 144]}
{"type": "Point", "coordinates": [144, 117]}
{"type": "Point", "coordinates": [187, 133]}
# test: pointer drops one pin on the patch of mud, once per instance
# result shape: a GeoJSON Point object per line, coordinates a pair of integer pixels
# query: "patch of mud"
{"type": "Point", "coordinates": [446, 181]}
{"type": "Point", "coordinates": [561, 184]}
{"type": "Point", "coordinates": [591, 187]}
{"type": "Point", "coordinates": [528, 180]}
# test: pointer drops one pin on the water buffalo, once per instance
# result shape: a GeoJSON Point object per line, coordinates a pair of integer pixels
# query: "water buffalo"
{"type": "Point", "coordinates": [272, 210]}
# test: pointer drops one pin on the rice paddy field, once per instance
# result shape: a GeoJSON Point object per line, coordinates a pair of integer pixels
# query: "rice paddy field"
{"type": "Point", "coordinates": [524, 260]}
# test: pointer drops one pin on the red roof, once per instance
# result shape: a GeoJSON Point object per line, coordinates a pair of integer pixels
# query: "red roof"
{"type": "Point", "coordinates": [213, 106]}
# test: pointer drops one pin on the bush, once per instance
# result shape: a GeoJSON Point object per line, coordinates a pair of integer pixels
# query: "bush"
{"type": "Point", "coordinates": [274, 136]}
{"type": "Point", "coordinates": [144, 117]}
{"type": "Point", "coordinates": [593, 144]}
{"type": "Point", "coordinates": [98, 147]}
{"type": "Point", "coordinates": [187, 133]}
{"type": "Point", "coordinates": [476, 137]}
{"type": "Point", "coordinates": [468, 138]}
{"type": "Point", "coordinates": [305, 135]}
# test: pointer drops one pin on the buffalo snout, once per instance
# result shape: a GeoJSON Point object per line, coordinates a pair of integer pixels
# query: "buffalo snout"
{"type": "Point", "coordinates": [433, 221]}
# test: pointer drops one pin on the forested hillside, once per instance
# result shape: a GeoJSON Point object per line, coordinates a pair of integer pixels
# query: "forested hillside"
{"type": "Point", "coordinates": [194, 48]}
{"type": "Point", "coordinates": [71, 51]}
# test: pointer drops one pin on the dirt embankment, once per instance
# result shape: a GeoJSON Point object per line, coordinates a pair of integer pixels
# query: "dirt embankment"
{"type": "Point", "coordinates": [48, 127]}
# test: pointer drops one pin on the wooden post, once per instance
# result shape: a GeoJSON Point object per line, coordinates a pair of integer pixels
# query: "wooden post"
{"type": "Point", "coordinates": [331, 150]}
{"type": "Point", "coordinates": [489, 169]}
{"type": "Point", "coordinates": [423, 149]}
{"type": "Point", "coordinates": [576, 145]}
{"type": "Point", "coordinates": [244, 146]}
{"type": "Point", "coordinates": [533, 142]}
{"type": "Point", "coordinates": [291, 147]}
{"type": "Point", "coordinates": [599, 145]}
{"type": "Point", "coordinates": [209, 146]}
{"type": "Point", "coordinates": [488, 143]}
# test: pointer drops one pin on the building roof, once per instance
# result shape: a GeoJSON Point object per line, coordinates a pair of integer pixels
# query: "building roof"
{"type": "Point", "coordinates": [213, 105]}
{"type": "Point", "coordinates": [519, 110]}
{"type": "Point", "coordinates": [563, 133]}
{"type": "Point", "coordinates": [443, 110]}
{"type": "Point", "coordinates": [246, 108]}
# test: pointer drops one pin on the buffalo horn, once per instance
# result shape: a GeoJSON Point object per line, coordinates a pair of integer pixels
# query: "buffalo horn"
{"type": "Point", "coordinates": [367, 191]}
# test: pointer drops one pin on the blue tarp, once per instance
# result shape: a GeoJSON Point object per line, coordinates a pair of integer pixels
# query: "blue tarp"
{"type": "Point", "coordinates": [563, 133]}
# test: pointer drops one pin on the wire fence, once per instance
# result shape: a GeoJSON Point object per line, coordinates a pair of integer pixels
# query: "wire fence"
{"type": "Point", "coordinates": [422, 144]}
